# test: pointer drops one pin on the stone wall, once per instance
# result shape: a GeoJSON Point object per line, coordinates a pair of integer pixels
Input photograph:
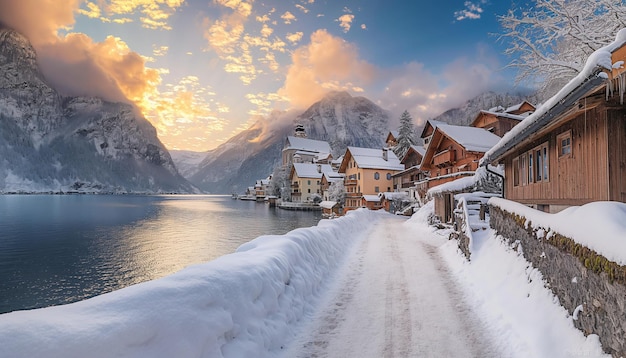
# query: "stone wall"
{"type": "Point", "coordinates": [578, 276]}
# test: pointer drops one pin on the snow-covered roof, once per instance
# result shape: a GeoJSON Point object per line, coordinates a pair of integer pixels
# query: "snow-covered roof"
{"type": "Point", "coordinates": [391, 195]}
{"type": "Point", "coordinates": [517, 117]}
{"type": "Point", "coordinates": [496, 109]}
{"type": "Point", "coordinates": [419, 149]}
{"type": "Point", "coordinates": [592, 75]}
{"type": "Point", "coordinates": [371, 198]}
{"type": "Point", "coordinates": [333, 176]}
{"type": "Point", "coordinates": [308, 170]}
{"type": "Point", "coordinates": [369, 158]}
{"type": "Point", "coordinates": [300, 153]}
{"type": "Point", "coordinates": [471, 138]}
{"type": "Point", "coordinates": [328, 204]}
{"type": "Point", "coordinates": [306, 144]}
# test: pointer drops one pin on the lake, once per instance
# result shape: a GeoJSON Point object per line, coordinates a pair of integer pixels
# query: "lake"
{"type": "Point", "coordinates": [57, 249]}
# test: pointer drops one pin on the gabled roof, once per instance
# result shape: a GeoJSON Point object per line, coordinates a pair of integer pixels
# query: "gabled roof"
{"type": "Point", "coordinates": [429, 127]}
{"type": "Point", "coordinates": [600, 67]}
{"type": "Point", "coordinates": [471, 138]}
{"type": "Point", "coordinates": [308, 170]}
{"type": "Point", "coordinates": [309, 145]}
{"type": "Point", "coordinates": [372, 198]}
{"type": "Point", "coordinates": [333, 176]}
{"type": "Point", "coordinates": [393, 134]}
{"type": "Point", "coordinates": [369, 158]}
{"type": "Point", "coordinates": [517, 107]}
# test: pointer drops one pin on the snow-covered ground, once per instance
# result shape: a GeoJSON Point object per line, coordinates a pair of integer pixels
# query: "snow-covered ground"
{"type": "Point", "coordinates": [370, 284]}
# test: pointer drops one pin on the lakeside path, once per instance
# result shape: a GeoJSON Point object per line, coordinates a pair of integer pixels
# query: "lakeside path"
{"type": "Point", "coordinates": [395, 298]}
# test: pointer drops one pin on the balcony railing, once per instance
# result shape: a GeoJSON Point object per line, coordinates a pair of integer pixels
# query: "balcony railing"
{"type": "Point", "coordinates": [447, 157]}
{"type": "Point", "coordinates": [349, 182]}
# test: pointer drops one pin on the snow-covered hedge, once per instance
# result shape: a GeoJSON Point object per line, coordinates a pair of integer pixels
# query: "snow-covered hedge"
{"type": "Point", "coordinates": [246, 304]}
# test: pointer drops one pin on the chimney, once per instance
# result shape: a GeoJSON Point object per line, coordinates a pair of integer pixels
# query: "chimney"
{"type": "Point", "coordinates": [386, 154]}
{"type": "Point", "coordinates": [319, 168]}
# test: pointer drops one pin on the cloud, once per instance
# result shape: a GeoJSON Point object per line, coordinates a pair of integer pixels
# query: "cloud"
{"type": "Point", "coordinates": [363, 27]}
{"type": "Point", "coordinates": [302, 8]}
{"type": "Point", "coordinates": [242, 7]}
{"type": "Point", "coordinates": [288, 17]}
{"type": "Point", "coordinates": [159, 51]}
{"type": "Point", "coordinates": [426, 95]}
{"type": "Point", "coordinates": [472, 11]}
{"type": "Point", "coordinates": [294, 37]}
{"type": "Point", "coordinates": [326, 63]}
{"type": "Point", "coordinates": [345, 21]}
{"type": "Point", "coordinates": [153, 13]}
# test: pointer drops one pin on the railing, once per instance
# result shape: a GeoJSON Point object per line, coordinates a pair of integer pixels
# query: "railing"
{"type": "Point", "coordinates": [353, 195]}
{"type": "Point", "coordinates": [349, 182]}
{"type": "Point", "coordinates": [445, 157]}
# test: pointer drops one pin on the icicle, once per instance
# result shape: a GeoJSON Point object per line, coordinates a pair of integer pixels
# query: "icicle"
{"type": "Point", "coordinates": [609, 89]}
{"type": "Point", "coordinates": [622, 87]}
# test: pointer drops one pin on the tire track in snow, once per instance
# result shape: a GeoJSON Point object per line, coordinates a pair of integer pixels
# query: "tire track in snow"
{"type": "Point", "coordinates": [394, 298]}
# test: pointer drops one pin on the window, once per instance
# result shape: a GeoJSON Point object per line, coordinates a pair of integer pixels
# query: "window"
{"type": "Point", "coordinates": [388, 176]}
{"type": "Point", "coordinates": [564, 142]}
{"type": "Point", "coordinates": [376, 176]}
{"type": "Point", "coordinates": [308, 182]}
{"type": "Point", "coordinates": [376, 189]}
{"type": "Point", "coordinates": [359, 176]}
{"type": "Point", "coordinates": [532, 166]}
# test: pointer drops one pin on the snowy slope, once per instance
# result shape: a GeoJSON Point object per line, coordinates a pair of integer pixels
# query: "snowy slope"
{"type": "Point", "coordinates": [49, 142]}
{"type": "Point", "coordinates": [187, 161]}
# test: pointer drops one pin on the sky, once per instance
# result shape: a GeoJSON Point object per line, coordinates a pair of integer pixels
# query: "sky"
{"type": "Point", "coordinates": [201, 71]}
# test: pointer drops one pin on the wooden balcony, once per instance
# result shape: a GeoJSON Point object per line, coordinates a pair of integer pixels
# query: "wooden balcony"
{"type": "Point", "coordinates": [350, 182]}
{"type": "Point", "coordinates": [353, 195]}
{"type": "Point", "coordinates": [445, 158]}
{"type": "Point", "coordinates": [294, 184]}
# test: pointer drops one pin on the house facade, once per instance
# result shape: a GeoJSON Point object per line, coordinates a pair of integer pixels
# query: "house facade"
{"type": "Point", "coordinates": [306, 180]}
{"type": "Point", "coordinates": [499, 120]}
{"type": "Point", "coordinates": [454, 152]}
{"type": "Point", "coordinates": [367, 172]}
{"type": "Point", "coordinates": [404, 181]}
{"type": "Point", "coordinates": [304, 150]}
{"type": "Point", "coordinates": [572, 151]}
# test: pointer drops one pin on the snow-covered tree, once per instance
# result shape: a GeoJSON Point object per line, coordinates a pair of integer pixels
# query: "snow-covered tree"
{"type": "Point", "coordinates": [337, 192]}
{"type": "Point", "coordinates": [406, 135]}
{"type": "Point", "coordinates": [551, 41]}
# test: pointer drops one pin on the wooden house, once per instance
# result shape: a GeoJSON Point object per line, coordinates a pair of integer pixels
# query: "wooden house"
{"type": "Point", "coordinates": [367, 172]}
{"type": "Point", "coordinates": [404, 181]}
{"type": "Point", "coordinates": [499, 122]}
{"type": "Point", "coordinates": [572, 150]}
{"type": "Point", "coordinates": [372, 202]}
{"type": "Point", "coordinates": [327, 179]}
{"type": "Point", "coordinates": [392, 139]}
{"type": "Point", "coordinates": [454, 151]}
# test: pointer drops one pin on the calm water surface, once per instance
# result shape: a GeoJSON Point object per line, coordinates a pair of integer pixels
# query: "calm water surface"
{"type": "Point", "coordinates": [58, 249]}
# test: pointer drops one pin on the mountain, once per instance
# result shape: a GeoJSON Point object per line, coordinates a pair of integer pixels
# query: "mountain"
{"type": "Point", "coordinates": [339, 118]}
{"type": "Point", "coordinates": [187, 161]}
{"type": "Point", "coordinates": [50, 142]}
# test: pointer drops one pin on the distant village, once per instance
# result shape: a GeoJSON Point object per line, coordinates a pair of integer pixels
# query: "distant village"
{"type": "Point", "coordinates": [386, 178]}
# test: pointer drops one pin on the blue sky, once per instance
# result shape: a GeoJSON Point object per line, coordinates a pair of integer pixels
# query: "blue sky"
{"type": "Point", "coordinates": [203, 70]}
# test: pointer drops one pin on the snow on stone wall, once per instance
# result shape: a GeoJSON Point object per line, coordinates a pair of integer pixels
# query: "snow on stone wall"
{"type": "Point", "coordinates": [246, 304]}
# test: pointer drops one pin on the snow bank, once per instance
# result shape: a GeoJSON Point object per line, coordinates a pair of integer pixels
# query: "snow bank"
{"type": "Point", "coordinates": [510, 297]}
{"type": "Point", "coordinates": [246, 304]}
{"type": "Point", "coordinates": [600, 226]}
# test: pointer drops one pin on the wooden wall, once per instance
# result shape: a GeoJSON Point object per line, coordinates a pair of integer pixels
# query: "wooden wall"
{"type": "Point", "coordinates": [617, 154]}
{"type": "Point", "coordinates": [577, 179]}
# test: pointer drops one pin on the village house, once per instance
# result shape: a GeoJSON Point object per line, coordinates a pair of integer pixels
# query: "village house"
{"type": "Point", "coordinates": [261, 188]}
{"type": "Point", "coordinates": [327, 179]}
{"type": "Point", "coordinates": [454, 152]}
{"type": "Point", "coordinates": [304, 150]}
{"type": "Point", "coordinates": [367, 172]}
{"type": "Point", "coordinates": [499, 120]}
{"type": "Point", "coordinates": [306, 180]}
{"type": "Point", "coordinates": [392, 139]}
{"type": "Point", "coordinates": [572, 150]}
{"type": "Point", "coordinates": [404, 181]}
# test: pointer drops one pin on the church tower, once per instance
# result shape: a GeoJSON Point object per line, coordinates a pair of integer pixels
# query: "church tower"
{"type": "Point", "coordinates": [300, 132]}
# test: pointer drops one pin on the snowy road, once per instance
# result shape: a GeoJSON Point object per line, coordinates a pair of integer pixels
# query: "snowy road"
{"type": "Point", "coordinates": [394, 299]}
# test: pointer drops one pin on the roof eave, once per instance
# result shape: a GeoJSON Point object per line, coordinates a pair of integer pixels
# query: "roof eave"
{"type": "Point", "coordinates": [563, 105]}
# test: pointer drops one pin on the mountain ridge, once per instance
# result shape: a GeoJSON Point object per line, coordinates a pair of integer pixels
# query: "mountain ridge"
{"type": "Point", "coordinates": [55, 143]}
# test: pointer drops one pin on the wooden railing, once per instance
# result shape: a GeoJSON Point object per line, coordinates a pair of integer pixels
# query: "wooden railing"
{"type": "Point", "coordinates": [445, 157]}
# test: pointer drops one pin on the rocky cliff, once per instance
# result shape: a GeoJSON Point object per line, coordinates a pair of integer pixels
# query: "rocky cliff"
{"type": "Point", "coordinates": [50, 142]}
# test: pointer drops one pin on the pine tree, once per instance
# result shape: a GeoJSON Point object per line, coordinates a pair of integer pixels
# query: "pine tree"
{"type": "Point", "coordinates": [406, 135]}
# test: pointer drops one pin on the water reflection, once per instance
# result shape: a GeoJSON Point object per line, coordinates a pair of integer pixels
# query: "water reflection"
{"type": "Point", "coordinates": [60, 249]}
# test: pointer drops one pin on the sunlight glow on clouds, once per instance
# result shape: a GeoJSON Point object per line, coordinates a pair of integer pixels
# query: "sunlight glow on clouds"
{"type": "Point", "coordinates": [154, 13]}
{"type": "Point", "coordinates": [288, 17]}
{"type": "Point", "coordinates": [327, 63]}
{"type": "Point", "coordinates": [345, 21]}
